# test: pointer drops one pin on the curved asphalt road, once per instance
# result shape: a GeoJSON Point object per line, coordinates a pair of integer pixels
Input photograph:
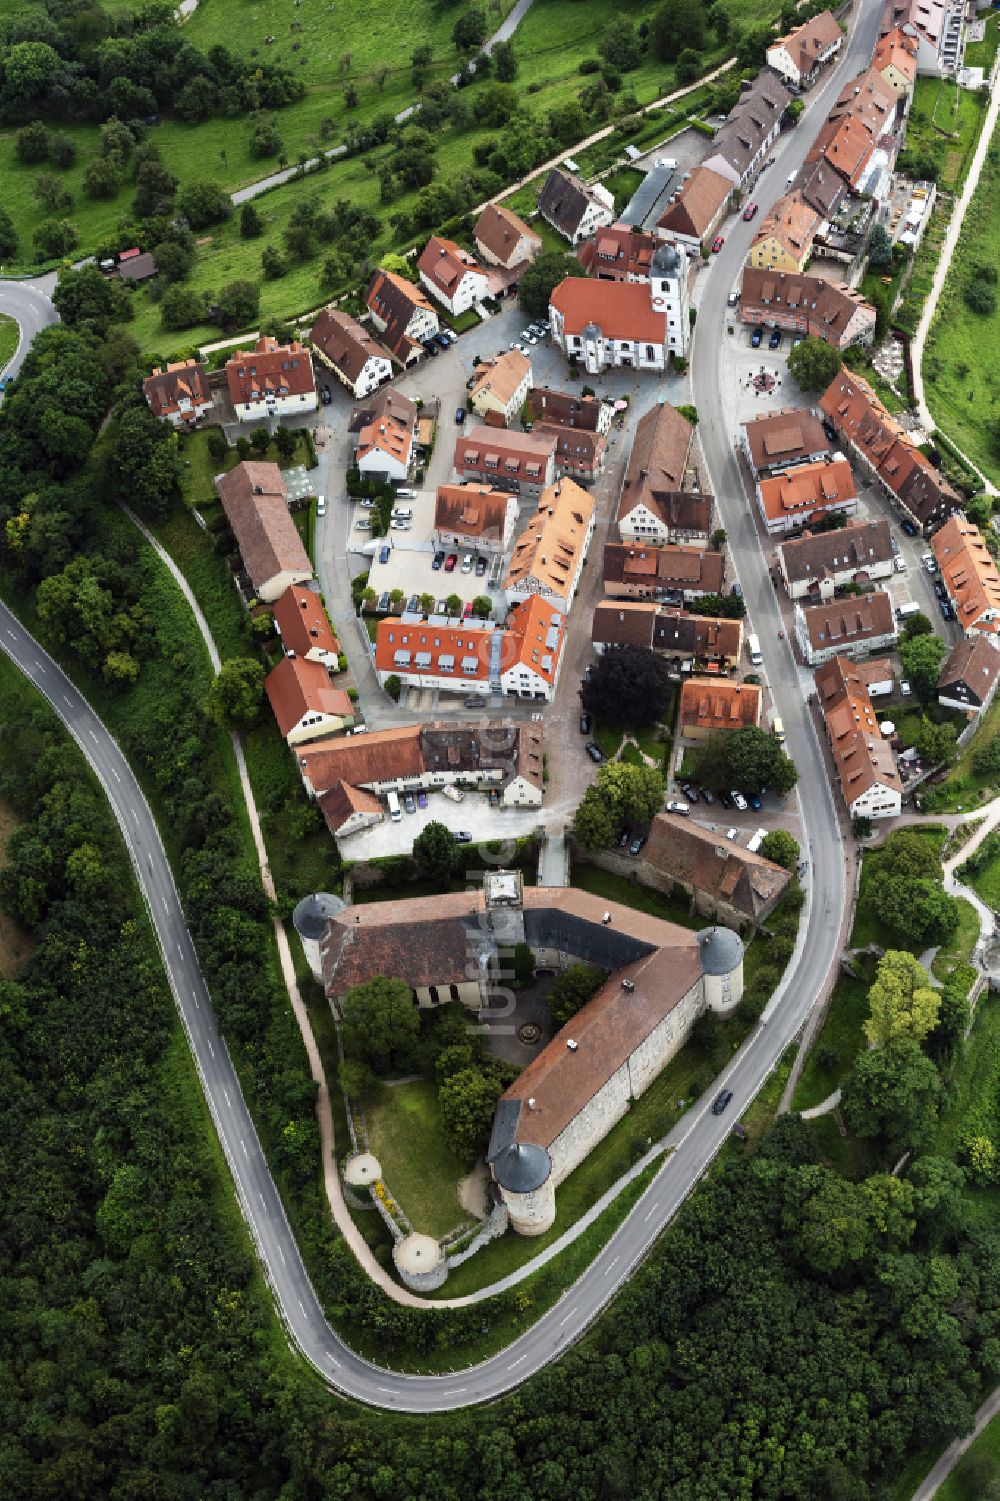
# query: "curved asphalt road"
{"type": "Point", "coordinates": [698, 1137]}
{"type": "Point", "coordinates": [28, 302]}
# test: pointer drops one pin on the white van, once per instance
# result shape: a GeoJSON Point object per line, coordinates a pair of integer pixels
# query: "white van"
{"type": "Point", "coordinates": [402, 513]}
{"type": "Point", "coordinates": [778, 730]}
{"type": "Point", "coordinates": [395, 811]}
{"type": "Point", "coordinates": [904, 612]}
{"type": "Point", "coordinates": [755, 842]}
{"type": "Point", "coordinates": [753, 647]}
{"type": "Point", "coordinates": [406, 494]}
{"type": "Point", "coordinates": [455, 793]}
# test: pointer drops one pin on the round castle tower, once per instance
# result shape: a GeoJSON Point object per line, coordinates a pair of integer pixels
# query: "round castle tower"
{"type": "Point", "coordinates": [721, 952]}
{"type": "Point", "coordinates": [524, 1173]}
{"type": "Point", "coordinates": [311, 918]}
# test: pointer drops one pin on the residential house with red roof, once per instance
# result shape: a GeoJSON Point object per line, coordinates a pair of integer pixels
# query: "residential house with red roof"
{"type": "Point", "coordinates": [500, 386]}
{"type": "Point", "coordinates": [503, 239]}
{"type": "Point", "coordinates": [305, 703]}
{"type": "Point", "coordinates": [866, 768]}
{"type": "Point", "coordinates": [271, 380]}
{"type": "Point", "coordinates": [802, 304]}
{"type": "Point", "coordinates": [302, 623]}
{"type": "Point", "coordinates": [520, 660]}
{"type": "Point", "coordinates": [710, 706]}
{"type": "Point", "coordinates": [523, 463]}
{"type": "Point", "coordinates": [970, 576]}
{"type": "Point", "coordinates": [696, 210]}
{"type": "Point", "coordinates": [402, 314]}
{"type": "Point", "coordinates": [800, 55]}
{"type": "Point", "coordinates": [895, 57]}
{"type": "Point", "coordinates": [797, 496]}
{"type": "Point", "coordinates": [383, 428]}
{"type": "Point", "coordinates": [356, 358]}
{"type": "Point", "coordinates": [254, 499]}
{"type": "Point", "coordinates": [474, 517]}
{"type": "Point", "coordinates": [179, 393]}
{"type": "Point", "coordinates": [549, 554]}
{"type": "Point", "coordinates": [713, 642]}
{"type": "Point", "coordinates": [678, 574]}
{"type": "Point", "coordinates": [452, 275]}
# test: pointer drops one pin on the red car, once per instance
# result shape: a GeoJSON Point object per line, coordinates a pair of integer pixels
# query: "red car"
{"type": "Point", "coordinates": [468, 609]}
{"type": "Point", "coordinates": [450, 561]}
{"type": "Point", "coordinates": [750, 210]}
{"type": "Point", "coordinates": [717, 244]}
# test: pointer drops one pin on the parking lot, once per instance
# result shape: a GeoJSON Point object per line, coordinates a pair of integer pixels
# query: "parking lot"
{"type": "Point", "coordinates": [474, 815]}
{"type": "Point", "coordinates": [409, 559]}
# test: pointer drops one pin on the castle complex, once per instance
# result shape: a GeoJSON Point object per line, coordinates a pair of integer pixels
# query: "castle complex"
{"type": "Point", "coordinates": [457, 947]}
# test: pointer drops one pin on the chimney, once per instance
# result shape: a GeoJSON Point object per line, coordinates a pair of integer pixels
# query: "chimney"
{"type": "Point", "coordinates": [571, 1044]}
{"type": "Point", "coordinates": [628, 985]}
{"type": "Point", "coordinates": [532, 1103]}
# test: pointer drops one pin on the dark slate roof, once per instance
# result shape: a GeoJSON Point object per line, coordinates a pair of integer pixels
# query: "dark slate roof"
{"type": "Point", "coordinates": [519, 1167]}
{"type": "Point", "coordinates": [721, 950]}
{"type": "Point", "coordinates": [313, 913]}
{"type": "Point", "coordinates": [563, 200]}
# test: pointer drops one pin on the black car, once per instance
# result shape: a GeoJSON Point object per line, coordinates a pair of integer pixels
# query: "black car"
{"type": "Point", "coordinates": [584, 723]}
{"type": "Point", "coordinates": [481, 567]}
{"type": "Point", "coordinates": [691, 793]}
{"type": "Point", "coordinates": [774, 342]}
{"type": "Point", "coordinates": [325, 395]}
{"type": "Point", "coordinates": [830, 431]}
{"type": "Point", "coordinates": [475, 701]}
{"type": "Point", "coordinates": [726, 800]}
{"type": "Point", "coordinates": [722, 1101]}
{"type": "Point", "coordinates": [431, 348]}
{"type": "Point", "coordinates": [947, 613]}
{"type": "Point", "coordinates": [706, 796]}
{"type": "Point", "coordinates": [756, 337]}
{"type": "Point", "coordinates": [635, 847]}
{"type": "Point", "coordinates": [437, 561]}
{"type": "Point", "coordinates": [594, 752]}
{"type": "Point", "coordinates": [624, 839]}
{"type": "Point", "coordinates": [908, 527]}
{"type": "Point", "coordinates": [940, 590]}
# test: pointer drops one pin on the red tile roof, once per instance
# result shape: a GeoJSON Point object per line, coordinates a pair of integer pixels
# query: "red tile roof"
{"type": "Point", "coordinates": [622, 310]}
{"type": "Point", "coordinates": [302, 623]}
{"type": "Point", "coordinates": [808, 488]}
{"type": "Point", "coordinates": [165, 389]}
{"type": "Point", "coordinates": [297, 687]}
{"type": "Point", "coordinates": [445, 263]}
{"type": "Point", "coordinates": [253, 498]}
{"type": "Point", "coordinates": [499, 229]}
{"type": "Point", "coordinates": [271, 369]}
{"type": "Point", "coordinates": [707, 704]}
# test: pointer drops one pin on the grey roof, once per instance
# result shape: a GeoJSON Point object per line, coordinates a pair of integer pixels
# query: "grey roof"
{"type": "Point", "coordinates": [519, 1167]}
{"type": "Point", "coordinates": [649, 198]}
{"type": "Point", "coordinates": [313, 913]}
{"type": "Point", "coordinates": [564, 200]}
{"type": "Point", "coordinates": [666, 260]}
{"type": "Point", "coordinates": [721, 950]}
{"type": "Point", "coordinates": [589, 942]}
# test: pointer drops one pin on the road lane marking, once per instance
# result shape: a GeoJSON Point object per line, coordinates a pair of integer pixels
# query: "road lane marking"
{"type": "Point", "coordinates": [262, 1204]}
{"type": "Point", "coordinates": [180, 951]}
{"type": "Point", "coordinates": [458, 1390]}
{"type": "Point", "coordinates": [333, 1359]}
{"type": "Point", "coordinates": [93, 736]}
{"type": "Point", "coordinates": [114, 773]}
{"type": "Point", "coordinates": [210, 1047]}
{"type": "Point", "coordinates": [516, 1362]}
{"type": "Point", "coordinates": [194, 997]}
{"type": "Point", "coordinates": [166, 908]}
{"type": "Point", "coordinates": [244, 1146]}
{"type": "Point", "coordinates": [611, 1266]}
{"type": "Point", "coordinates": [388, 1389]}
{"type": "Point", "coordinates": [228, 1100]}
{"type": "Point", "coordinates": [650, 1214]}
{"type": "Point", "coordinates": [567, 1318]}
{"type": "Point", "coordinates": [302, 1306]}
{"type": "Point", "coordinates": [282, 1255]}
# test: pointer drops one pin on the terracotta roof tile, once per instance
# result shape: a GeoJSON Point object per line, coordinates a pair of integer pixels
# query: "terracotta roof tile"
{"type": "Point", "coordinates": [253, 498]}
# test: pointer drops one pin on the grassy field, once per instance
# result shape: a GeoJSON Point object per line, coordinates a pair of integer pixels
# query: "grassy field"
{"type": "Point", "coordinates": [963, 1484]}
{"type": "Point", "coordinates": [301, 851]}
{"type": "Point", "coordinates": [944, 123]}
{"type": "Point", "coordinates": [959, 949]}
{"type": "Point", "coordinates": [550, 44]}
{"type": "Point", "coordinates": [9, 335]}
{"type": "Point", "coordinates": [838, 1044]}
{"type": "Point", "coordinates": [962, 358]}
{"type": "Point", "coordinates": [981, 54]}
{"type": "Point", "coordinates": [419, 1168]}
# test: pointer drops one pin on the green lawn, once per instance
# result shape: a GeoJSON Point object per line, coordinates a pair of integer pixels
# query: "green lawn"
{"type": "Point", "coordinates": [9, 337]}
{"type": "Point", "coordinates": [840, 1039]}
{"type": "Point", "coordinates": [962, 1484]}
{"type": "Point", "coordinates": [208, 573]}
{"type": "Point", "coordinates": [962, 358]}
{"type": "Point", "coordinates": [418, 1167]}
{"type": "Point", "coordinates": [981, 54]}
{"type": "Point", "coordinates": [944, 122]}
{"type": "Point", "coordinates": [608, 739]}
{"type": "Point", "coordinates": [301, 851]}
{"type": "Point", "coordinates": [958, 950]}
{"type": "Point", "coordinates": [964, 788]}
{"type": "Point", "coordinates": [622, 185]}
{"type": "Point", "coordinates": [619, 889]}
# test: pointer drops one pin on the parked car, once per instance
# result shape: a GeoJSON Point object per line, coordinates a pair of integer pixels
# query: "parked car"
{"type": "Point", "coordinates": [594, 752]}
{"type": "Point", "coordinates": [706, 796]}
{"type": "Point", "coordinates": [528, 336]}
{"type": "Point", "coordinates": [475, 701]}
{"type": "Point", "coordinates": [930, 562]}
{"type": "Point", "coordinates": [362, 524]}
{"type": "Point", "coordinates": [909, 527]}
{"type": "Point", "coordinates": [467, 563]}
{"type": "Point", "coordinates": [401, 526]}
{"type": "Point", "coordinates": [450, 561]}
{"type": "Point", "coordinates": [383, 554]}
{"type": "Point", "coordinates": [481, 567]}
{"type": "Point", "coordinates": [774, 342]}
{"type": "Point", "coordinates": [734, 835]}
{"type": "Point", "coordinates": [718, 243]}
{"type": "Point", "coordinates": [468, 609]}
{"type": "Point", "coordinates": [421, 799]}
{"type": "Point", "coordinates": [755, 802]}
{"type": "Point", "coordinates": [437, 561]}
{"type": "Point", "coordinates": [726, 799]}
{"type": "Point", "coordinates": [442, 341]}
{"type": "Point", "coordinates": [635, 848]}
{"type": "Point", "coordinates": [408, 802]}
{"type": "Point", "coordinates": [413, 604]}
{"type": "Point", "coordinates": [460, 415]}
{"type": "Point", "coordinates": [366, 504]}
{"type": "Point", "coordinates": [739, 800]}
{"type": "Point", "coordinates": [722, 1100]}
{"type": "Point", "coordinates": [756, 337]}
{"type": "Point", "coordinates": [431, 347]}
{"type": "Point", "coordinates": [749, 211]}
{"type": "Point", "coordinates": [947, 613]}
{"type": "Point", "coordinates": [939, 589]}
{"type": "Point", "coordinates": [690, 791]}
{"type": "Point", "coordinates": [899, 564]}
{"type": "Point", "coordinates": [455, 793]}
{"type": "Point", "coordinates": [321, 505]}
{"type": "Point", "coordinates": [674, 805]}
{"type": "Point", "coordinates": [325, 395]}
{"type": "Point", "coordinates": [462, 836]}
{"type": "Point", "coordinates": [895, 547]}
{"type": "Point", "coordinates": [541, 329]}
{"type": "Point", "coordinates": [624, 839]}
{"type": "Point", "coordinates": [584, 723]}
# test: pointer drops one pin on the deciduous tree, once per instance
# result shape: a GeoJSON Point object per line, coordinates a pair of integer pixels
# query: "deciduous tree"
{"type": "Point", "coordinates": [901, 1001]}
{"type": "Point", "coordinates": [236, 693]}
{"type": "Point", "coordinates": [380, 1024]}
